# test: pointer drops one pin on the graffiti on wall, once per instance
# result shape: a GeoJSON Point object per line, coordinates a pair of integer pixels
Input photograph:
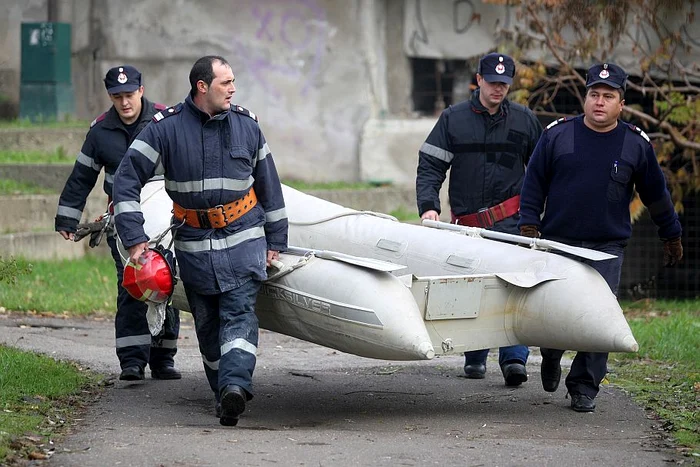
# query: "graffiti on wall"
{"type": "Point", "coordinates": [473, 27]}
{"type": "Point", "coordinates": [289, 46]}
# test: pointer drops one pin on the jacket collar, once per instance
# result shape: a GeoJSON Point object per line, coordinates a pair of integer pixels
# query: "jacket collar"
{"type": "Point", "coordinates": [113, 121]}
{"type": "Point", "coordinates": [479, 108]}
{"type": "Point", "coordinates": [203, 116]}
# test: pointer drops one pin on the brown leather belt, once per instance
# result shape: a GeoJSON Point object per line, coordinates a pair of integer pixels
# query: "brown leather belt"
{"type": "Point", "coordinates": [217, 217]}
{"type": "Point", "coordinates": [486, 217]}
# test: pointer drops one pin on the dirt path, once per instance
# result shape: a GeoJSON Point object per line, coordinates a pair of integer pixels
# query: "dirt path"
{"type": "Point", "coordinates": [315, 406]}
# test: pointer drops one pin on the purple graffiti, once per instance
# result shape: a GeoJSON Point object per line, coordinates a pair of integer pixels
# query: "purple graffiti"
{"type": "Point", "coordinates": [297, 26]}
{"type": "Point", "coordinates": [265, 26]}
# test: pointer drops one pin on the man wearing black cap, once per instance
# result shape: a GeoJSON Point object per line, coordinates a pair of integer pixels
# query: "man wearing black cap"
{"type": "Point", "coordinates": [486, 142]}
{"type": "Point", "coordinates": [107, 140]}
{"type": "Point", "coordinates": [586, 169]}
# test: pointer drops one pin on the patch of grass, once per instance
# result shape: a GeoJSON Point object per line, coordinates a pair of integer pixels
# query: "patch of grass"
{"type": "Point", "coordinates": [664, 376]}
{"type": "Point", "coordinates": [405, 215]}
{"type": "Point", "coordinates": [76, 287]}
{"type": "Point", "coordinates": [58, 156]}
{"type": "Point", "coordinates": [37, 396]}
{"type": "Point", "coordinates": [666, 330]}
{"type": "Point", "coordinates": [14, 187]}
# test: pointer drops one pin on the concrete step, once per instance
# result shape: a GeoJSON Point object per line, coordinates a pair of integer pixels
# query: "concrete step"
{"type": "Point", "coordinates": [43, 139]}
{"type": "Point", "coordinates": [29, 213]}
{"type": "Point", "coordinates": [46, 246]}
{"type": "Point", "coordinates": [27, 221]}
{"type": "Point", "coordinates": [49, 176]}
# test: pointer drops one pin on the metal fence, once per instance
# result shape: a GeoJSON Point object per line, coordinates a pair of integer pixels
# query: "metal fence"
{"type": "Point", "coordinates": [643, 273]}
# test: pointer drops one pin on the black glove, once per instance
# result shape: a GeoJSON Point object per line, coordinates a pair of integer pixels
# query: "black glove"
{"type": "Point", "coordinates": [529, 231]}
{"type": "Point", "coordinates": [673, 251]}
{"type": "Point", "coordinates": [83, 230]}
{"type": "Point", "coordinates": [96, 238]}
{"type": "Point", "coordinates": [96, 230]}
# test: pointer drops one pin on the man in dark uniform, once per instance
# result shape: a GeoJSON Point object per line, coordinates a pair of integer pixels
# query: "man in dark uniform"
{"type": "Point", "coordinates": [486, 142]}
{"type": "Point", "coordinates": [107, 140]}
{"type": "Point", "coordinates": [228, 199]}
{"type": "Point", "coordinates": [586, 169]}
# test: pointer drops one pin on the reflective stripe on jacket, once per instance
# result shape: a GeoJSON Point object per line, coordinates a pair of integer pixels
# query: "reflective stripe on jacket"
{"type": "Point", "coordinates": [104, 147]}
{"type": "Point", "coordinates": [486, 155]}
{"type": "Point", "coordinates": [207, 161]}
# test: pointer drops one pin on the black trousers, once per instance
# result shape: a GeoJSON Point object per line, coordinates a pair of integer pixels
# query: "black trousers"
{"type": "Point", "coordinates": [589, 368]}
{"type": "Point", "coordinates": [134, 343]}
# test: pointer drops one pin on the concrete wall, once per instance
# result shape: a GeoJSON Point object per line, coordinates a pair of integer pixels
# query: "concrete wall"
{"type": "Point", "coordinates": [310, 69]}
{"type": "Point", "coordinates": [12, 14]}
{"type": "Point", "coordinates": [321, 74]}
{"type": "Point", "coordinates": [68, 140]}
{"type": "Point", "coordinates": [314, 71]}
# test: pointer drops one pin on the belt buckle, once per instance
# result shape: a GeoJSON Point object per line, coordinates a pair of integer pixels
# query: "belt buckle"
{"type": "Point", "coordinates": [485, 217]}
{"type": "Point", "coordinates": [225, 218]}
{"type": "Point", "coordinates": [203, 218]}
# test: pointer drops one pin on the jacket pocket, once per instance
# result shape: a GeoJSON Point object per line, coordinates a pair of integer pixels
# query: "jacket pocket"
{"type": "Point", "coordinates": [241, 160]}
{"type": "Point", "coordinates": [619, 182]}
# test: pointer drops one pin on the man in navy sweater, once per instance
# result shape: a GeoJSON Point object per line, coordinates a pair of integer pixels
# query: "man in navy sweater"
{"type": "Point", "coordinates": [585, 169]}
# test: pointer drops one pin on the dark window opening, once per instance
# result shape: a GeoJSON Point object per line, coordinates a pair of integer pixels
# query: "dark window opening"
{"type": "Point", "coordinates": [438, 84]}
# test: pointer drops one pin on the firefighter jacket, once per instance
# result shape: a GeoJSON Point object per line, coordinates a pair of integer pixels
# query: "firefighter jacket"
{"type": "Point", "coordinates": [207, 161]}
{"type": "Point", "coordinates": [104, 147]}
{"type": "Point", "coordinates": [486, 154]}
{"type": "Point", "coordinates": [587, 178]}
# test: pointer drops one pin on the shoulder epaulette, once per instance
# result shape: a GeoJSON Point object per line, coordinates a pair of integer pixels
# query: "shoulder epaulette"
{"type": "Point", "coordinates": [244, 111]}
{"type": "Point", "coordinates": [558, 121]}
{"type": "Point", "coordinates": [636, 129]}
{"type": "Point", "coordinates": [167, 112]}
{"type": "Point", "coordinates": [158, 106]}
{"type": "Point", "coordinates": [98, 119]}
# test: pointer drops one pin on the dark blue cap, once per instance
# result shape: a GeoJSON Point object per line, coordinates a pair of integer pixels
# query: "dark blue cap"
{"type": "Point", "coordinates": [608, 74]}
{"type": "Point", "coordinates": [123, 78]}
{"type": "Point", "coordinates": [497, 68]}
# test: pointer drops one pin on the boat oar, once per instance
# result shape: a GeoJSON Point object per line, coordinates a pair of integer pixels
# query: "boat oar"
{"type": "Point", "coordinates": [368, 263]}
{"type": "Point", "coordinates": [537, 243]}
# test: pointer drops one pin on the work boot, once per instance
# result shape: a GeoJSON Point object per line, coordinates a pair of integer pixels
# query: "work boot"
{"type": "Point", "coordinates": [514, 373]}
{"type": "Point", "coordinates": [582, 403]}
{"type": "Point", "coordinates": [167, 371]}
{"type": "Point", "coordinates": [475, 370]}
{"type": "Point", "coordinates": [550, 371]}
{"type": "Point", "coordinates": [232, 404]}
{"type": "Point", "coordinates": [132, 373]}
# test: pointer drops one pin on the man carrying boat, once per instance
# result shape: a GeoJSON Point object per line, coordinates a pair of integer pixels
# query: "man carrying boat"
{"type": "Point", "coordinates": [486, 142]}
{"type": "Point", "coordinates": [230, 217]}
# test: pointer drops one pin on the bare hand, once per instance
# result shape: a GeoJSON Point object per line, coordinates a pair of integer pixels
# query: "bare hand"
{"type": "Point", "coordinates": [67, 235]}
{"type": "Point", "coordinates": [272, 255]}
{"type": "Point", "coordinates": [136, 251]}
{"type": "Point", "coordinates": [431, 215]}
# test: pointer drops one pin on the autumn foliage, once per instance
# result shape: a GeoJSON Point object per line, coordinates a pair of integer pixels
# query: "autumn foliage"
{"type": "Point", "coordinates": [662, 92]}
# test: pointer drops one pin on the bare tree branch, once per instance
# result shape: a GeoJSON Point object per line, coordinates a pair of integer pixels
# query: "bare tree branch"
{"type": "Point", "coordinates": [675, 135]}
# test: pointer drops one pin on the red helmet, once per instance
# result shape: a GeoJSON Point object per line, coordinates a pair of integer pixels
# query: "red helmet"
{"type": "Point", "coordinates": [152, 279]}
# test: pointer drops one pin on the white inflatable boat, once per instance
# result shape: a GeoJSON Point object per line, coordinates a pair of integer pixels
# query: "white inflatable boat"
{"type": "Point", "coordinates": [368, 285]}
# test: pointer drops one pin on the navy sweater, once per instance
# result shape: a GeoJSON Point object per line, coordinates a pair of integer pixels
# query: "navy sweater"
{"type": "Point", "coordinates": [586, 180]}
